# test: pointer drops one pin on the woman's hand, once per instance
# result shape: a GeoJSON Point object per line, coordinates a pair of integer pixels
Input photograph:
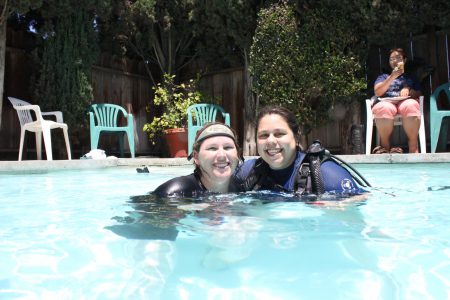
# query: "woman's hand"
{"type": "Point", "coordinates": [405, 92]}
{"type": "Point", "coordinates": [396, 72]}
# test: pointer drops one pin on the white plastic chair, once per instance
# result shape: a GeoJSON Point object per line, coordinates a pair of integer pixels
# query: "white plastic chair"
{"type": "Point", "coordinates": [397, 122]}
{"type": "Point", "coordinates": [39, 127]}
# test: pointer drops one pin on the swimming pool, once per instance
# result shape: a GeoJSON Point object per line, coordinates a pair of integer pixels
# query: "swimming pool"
{"type": "Point", "coordinates": [83, 235]}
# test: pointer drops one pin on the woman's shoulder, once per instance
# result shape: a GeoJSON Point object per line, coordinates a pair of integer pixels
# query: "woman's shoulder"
{"type": "Point", "coordinates": [338, 179]}
{"type": "Point", "coordinates": [184, 185]}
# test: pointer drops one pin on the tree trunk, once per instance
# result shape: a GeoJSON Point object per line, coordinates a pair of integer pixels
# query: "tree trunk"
{"type": "Point", "coordinates": [2, 63]}
{"type": "Point", "coordinates": [250, 109]}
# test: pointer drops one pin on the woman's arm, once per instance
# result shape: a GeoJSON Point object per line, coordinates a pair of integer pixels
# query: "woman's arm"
{"type": "Point", "coordinates": [382, 87]}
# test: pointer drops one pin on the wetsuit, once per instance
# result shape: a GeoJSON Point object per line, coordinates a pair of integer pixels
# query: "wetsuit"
{"type": "Point", "coordinates": [255, 174]}
{"type": "Point", "coordinates": [187, 186]}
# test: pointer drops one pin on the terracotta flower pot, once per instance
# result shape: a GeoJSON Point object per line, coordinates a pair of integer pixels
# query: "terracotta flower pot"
{"type": "Point", "coordinates": [177, 141]}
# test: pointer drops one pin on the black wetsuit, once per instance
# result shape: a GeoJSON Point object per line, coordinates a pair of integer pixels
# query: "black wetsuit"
{"type": "Point", "coordinates": [186, 186]}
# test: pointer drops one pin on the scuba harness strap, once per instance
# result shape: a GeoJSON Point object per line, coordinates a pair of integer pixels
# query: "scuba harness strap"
{"type": "Point", "coordinates": [254, 179]}
{"type": "Point", "coordinates": [308, 179]}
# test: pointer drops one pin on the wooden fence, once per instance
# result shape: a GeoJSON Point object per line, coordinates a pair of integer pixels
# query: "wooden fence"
{"type": "Point", "coordinates": [227, 88]}
{"type": "Point", "coordinates": [129, 88]}
{"type": "Point", "coordinates": [17, 78]}
{"type": "Point", "coordinates": [131, 91]}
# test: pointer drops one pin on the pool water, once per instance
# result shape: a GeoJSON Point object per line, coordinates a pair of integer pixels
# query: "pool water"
{"type": "Point", "coordinates": [91, 235]}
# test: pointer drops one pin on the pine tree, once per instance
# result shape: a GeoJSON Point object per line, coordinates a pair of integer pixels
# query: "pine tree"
{"type": "Point", "coordinates": [65, 62]}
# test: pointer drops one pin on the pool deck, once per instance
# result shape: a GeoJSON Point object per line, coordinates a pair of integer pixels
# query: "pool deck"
{"type": "Point", "coordinates": [44, 165]}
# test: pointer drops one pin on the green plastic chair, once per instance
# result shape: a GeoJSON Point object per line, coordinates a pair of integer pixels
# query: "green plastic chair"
{"type": "Point", "coordinates": [436, 118]}
{"type": "Point", "coordinates": [199, 115]}
{"type": "Point", "coordinates": [103, 118]}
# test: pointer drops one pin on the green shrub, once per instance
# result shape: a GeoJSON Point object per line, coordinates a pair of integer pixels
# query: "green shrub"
{"type": "Point", "coordinates": [304, 65]}
{"type": "Point", "coordinates": [175, 99]}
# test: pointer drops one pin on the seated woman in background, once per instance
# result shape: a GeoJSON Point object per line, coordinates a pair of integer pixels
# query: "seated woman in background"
{"type": "Point", "coordinates": [397, 84]}
{"type": "Point", "coordinates": [216, 155]}
{"type": "Point", "coordinates": [283, 166]}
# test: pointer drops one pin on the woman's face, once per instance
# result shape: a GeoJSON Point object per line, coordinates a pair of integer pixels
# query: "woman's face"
{"type": "Point", "coordinates": [276, 142]}
{"type": "Point", "coordinates": [217, 159]}
{"type": "Point", "coordinates": [395, 58]}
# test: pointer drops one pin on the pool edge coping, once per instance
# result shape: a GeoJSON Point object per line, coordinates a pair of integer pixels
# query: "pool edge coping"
{"type": "Point", "coordinates": [33, 165]}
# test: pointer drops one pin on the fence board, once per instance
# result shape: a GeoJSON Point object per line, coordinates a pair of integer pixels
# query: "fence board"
{"type": "Point", "coordinates": [227, 87]}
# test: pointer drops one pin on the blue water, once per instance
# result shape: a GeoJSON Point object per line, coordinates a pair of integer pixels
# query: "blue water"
{"type": "Point", "coordinates": [88, 235]}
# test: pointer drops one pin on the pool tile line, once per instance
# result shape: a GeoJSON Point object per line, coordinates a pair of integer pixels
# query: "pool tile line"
{"type": "Point", "coordinates": [44, 165]}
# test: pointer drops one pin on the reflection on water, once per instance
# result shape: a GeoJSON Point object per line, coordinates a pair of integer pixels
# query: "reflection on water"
{"type": "Point", "coordinates": [236, 240]}
{"type": "Point", "coordinates": [154, 217]}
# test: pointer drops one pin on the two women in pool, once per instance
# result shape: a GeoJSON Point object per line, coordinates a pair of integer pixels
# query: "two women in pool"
{"type": "Point", "coordinates": [216, 157]}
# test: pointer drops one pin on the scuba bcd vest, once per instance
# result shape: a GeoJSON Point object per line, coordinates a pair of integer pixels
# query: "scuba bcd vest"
{"type": "Point", "coordinates": [308, 179]}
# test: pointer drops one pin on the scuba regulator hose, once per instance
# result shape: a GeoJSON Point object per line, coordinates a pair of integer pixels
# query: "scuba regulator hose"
{"type": "Point", "coordinates": [315, 153]}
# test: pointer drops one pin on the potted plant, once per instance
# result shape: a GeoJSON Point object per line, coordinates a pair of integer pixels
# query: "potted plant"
{"type": "Point", "coordinates": [175, 99]}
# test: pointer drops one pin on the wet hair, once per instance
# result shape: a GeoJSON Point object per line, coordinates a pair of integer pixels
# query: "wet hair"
{"type": "Point", "coordinates": [229, 132]}
{"type": "Point", "coordinates": [399, 50]}
{"type": "Point", "coordinates": [287, 116]}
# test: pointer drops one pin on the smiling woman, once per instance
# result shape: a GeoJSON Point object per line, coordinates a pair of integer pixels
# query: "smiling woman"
{"type": "Point", "coordinates": [216, 155]}
{"type": "Point", "coordinates": [284, 167]}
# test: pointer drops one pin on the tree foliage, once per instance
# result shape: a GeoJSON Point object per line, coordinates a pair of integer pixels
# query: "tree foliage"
{"type": "Point", "coordinates": [159, 32]}
{"type": "Point", "coordinates": [68, 52]}
{"type": "Point", "coordinates": [169, 34]}
{"type": "Point", "coordinates": [17, 6]}
{"type": "Point", "coordinates": [226, 32]}
{"type": "Point", "coordinates": [389, 22]}
{"type": "Point", "coordinates": [302, 64]}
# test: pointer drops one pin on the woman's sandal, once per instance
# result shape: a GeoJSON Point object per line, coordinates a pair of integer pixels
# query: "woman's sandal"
{"type": "Point", "coordinates": [396, 150]}
{"type": "Point", "coordinates": [379, 150]}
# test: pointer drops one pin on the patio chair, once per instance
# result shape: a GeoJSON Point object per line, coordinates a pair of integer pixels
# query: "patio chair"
{"type": "Point", "coordinates": [397, 122]}
{"type": "Point", "coordinates": [437, 118]}
{"type": "Point", "coordinates": [199, 115]}
{"type": "Point", "coordinates": [39, 127]}
{"type": "Point", "coordinates": [104, 118]}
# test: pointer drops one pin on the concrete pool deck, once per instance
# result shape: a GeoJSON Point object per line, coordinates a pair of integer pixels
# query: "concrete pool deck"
{"type": "Point", "coordinates": [44, 165]}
